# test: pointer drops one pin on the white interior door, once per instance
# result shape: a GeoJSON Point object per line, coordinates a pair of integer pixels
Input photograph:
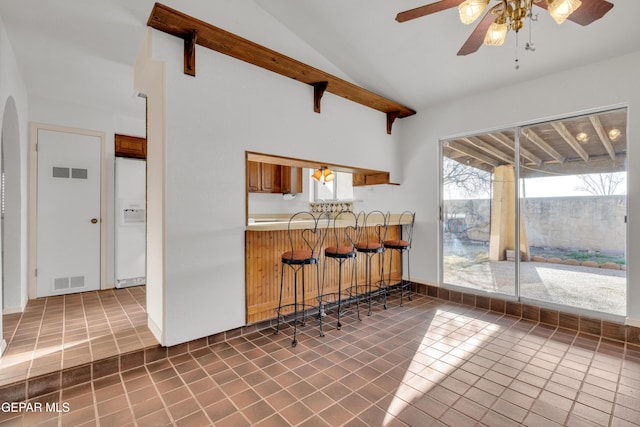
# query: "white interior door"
{"type": "Point", "coordinates": [68, 213]}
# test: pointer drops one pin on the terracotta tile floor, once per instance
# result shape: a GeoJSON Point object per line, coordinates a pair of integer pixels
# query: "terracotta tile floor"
{"type": "Point", "coordinates": [69, 330]}
{"type": "Point", "coordinates": [430, 362]}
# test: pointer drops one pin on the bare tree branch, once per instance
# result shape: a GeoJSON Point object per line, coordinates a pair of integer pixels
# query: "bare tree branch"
{"type": "Point", "coordinates": [601, 184]}
{"type": "Point", "coordinates": [465, 180]}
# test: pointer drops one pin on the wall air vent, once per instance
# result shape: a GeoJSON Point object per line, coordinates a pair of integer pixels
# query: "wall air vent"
{"type": "Point", "coordinates": [79, 173]}
{"type": "Point", "coordinates": [58, 172]}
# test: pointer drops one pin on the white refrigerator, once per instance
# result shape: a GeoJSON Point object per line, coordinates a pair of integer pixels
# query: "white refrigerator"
{"type": "Point", "coordinates": [130, 222]}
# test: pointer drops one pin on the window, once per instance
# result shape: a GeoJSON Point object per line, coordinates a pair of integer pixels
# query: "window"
{"type": "Point", "coordinates": [547, 229]}
{"type": "Point", "coordinates": [341, 188]}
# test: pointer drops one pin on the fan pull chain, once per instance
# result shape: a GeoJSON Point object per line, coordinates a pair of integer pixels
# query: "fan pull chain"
{"type": "Point", "coordinates": [532, 18]}
{"type": "Point", "coordinates": [517, 60]}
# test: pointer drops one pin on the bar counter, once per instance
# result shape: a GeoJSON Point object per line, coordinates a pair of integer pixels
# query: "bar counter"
{"type": "Point", "coordinates": [274, 222]}
{"type": "Point", "coordinates": [267, 239]}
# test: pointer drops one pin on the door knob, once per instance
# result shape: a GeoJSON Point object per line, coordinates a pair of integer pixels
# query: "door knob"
{"type": "Point", "coordinates": [94, 220]}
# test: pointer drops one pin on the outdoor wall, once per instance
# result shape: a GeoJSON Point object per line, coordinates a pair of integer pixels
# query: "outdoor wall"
{"type": "Point", "coordinates": [576, 223]}
{"type": "Point", "coordinates": [553, 96]}
{"type": "Point", "coordinates": [211, 120]}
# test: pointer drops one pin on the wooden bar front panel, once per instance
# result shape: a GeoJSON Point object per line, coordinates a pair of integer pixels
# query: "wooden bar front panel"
{"type": "Point", "coordinates": [263, 250]}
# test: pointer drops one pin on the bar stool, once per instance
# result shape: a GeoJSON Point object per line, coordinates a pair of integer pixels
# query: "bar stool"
{"type": "Point", "coordinates": [306, 237]}
{"type": "Point", "coordinates": [373, 234]}
{"type": "Point", "coordinates": [343, 238]}
{"type": "Point", "coordinates": [402, 246]}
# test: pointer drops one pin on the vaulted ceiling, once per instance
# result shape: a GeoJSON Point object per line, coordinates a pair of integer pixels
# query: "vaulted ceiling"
{"type": "Point", "coordinates": [82, 51]}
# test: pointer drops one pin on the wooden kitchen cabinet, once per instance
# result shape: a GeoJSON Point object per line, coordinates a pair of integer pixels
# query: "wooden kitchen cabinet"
{"type": "Point", "coordinates": [130, 146]}
{"type": "Point", "coordinates": [291, 180]}
{"type": "Point", "coordinates": [360, 179]}
{"type": "Point", "coordinates": [271, 178]}
{"type": "Point", "coordinates": [254, 177]}
{"type": "Point", "coordinates": [264, 178]}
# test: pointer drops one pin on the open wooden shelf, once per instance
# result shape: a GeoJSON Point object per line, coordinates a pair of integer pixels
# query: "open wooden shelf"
{"type": "Point", "coordinates": [194, 31]}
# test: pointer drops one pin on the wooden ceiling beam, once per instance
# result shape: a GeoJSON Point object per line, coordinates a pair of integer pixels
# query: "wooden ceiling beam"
{"type": "Point", "coordinates": [508, 142]}
{"type": "Point", "coordinates": [602, 134]}
{"type": "Point", "coordinates": [534, 138]}
{"type": "Point", "coordinates": [195, 31]}
{"type": "Point", "coordinates": [569, 139]}
{"type": "Point", "coordinates": [599, 164]}
{"type": "Point", "coordinates": [483, 146]}
{"type": "Point", "coordinates": [472, 153]}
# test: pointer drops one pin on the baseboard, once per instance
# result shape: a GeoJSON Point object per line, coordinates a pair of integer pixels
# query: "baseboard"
{"type": "Point", "coordinates": [12, 310]}
{"type": "Point", "coordinates": [633, 322]}
{"type": "Point", "coordinates": [155, 330]}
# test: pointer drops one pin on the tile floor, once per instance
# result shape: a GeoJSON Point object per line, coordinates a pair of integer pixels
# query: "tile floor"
{"type": "Point", "coordinates": [70, 330]}
{"type": "Point", "coordinates": [431, 362]}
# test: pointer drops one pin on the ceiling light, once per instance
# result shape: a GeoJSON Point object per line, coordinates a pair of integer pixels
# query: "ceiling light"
{"type": "Point", "coordinates": [614, 134]}
{"type": "Point", "coordinates": [470, 10]}
{"type": "Point", "coordinates": [496, 35]}
{"type": "Point", "coordinates": [582, 137]}
{"type": "Point", "coordinates": [561, 9]}
{"type": "Point", "coordinates": [512, 13]}
{"type": "Point", "coordinates": [323, 175]}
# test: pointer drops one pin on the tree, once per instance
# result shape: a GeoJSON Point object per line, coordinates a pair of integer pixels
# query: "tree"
{"type": "Point", "coordinates": [601, 184]}
{"type": "Point", "coordinates": [462, 180]}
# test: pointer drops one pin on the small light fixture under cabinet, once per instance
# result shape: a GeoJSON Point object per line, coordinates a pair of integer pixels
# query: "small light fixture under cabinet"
{"type": "Point", "coordinates": [323, 175]}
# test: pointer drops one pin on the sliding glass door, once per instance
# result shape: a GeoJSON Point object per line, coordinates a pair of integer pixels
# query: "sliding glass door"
{"type": "Point", "coordinates": [563, 205]}
{"type": "Point", "coordinates": [471, 183]}
{"type": "Point", "coordinates": [573, 203]}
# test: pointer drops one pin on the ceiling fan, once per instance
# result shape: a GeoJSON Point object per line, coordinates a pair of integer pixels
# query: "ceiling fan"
{"type": "Point", "coordinates": [508, 15]}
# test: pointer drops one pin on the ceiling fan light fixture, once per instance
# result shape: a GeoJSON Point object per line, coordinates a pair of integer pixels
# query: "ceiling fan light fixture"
{"type": "Point", "coordinates": [561, 9]}
{"type": "Point", "coordinates": [470, 10]}
{"type": "Point", "coordinates": [496, 34]}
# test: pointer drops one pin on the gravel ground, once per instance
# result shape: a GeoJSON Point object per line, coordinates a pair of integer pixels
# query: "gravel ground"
{"type": "Point", "coordinates": [586, 287]}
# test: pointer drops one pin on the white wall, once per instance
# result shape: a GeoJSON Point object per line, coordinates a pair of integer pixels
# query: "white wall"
{"type": "Point", "coordinates": [149, 77]}
{"type": "Point", "coordinates": [599, 85]}
{"type": "Point", "coordinates": [13, 90]}
{"type": "Point", "coordinates": [211, 120]}
{"type": "Point", "coordinates": [14, 108]}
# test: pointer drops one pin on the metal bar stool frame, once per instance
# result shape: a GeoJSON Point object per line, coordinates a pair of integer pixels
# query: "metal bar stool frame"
{"type": "Point", "coordinates": [306, 234]}
{"type": "Point", "coordinates": [402, 246]}
{"type": "Point", "coordinates": [371, 243]}
{"type": "Point", "coordinates": [344, 234]}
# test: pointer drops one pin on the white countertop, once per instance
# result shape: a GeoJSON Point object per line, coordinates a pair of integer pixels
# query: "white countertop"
{"type": "Point", "coordinates": [275, 222]}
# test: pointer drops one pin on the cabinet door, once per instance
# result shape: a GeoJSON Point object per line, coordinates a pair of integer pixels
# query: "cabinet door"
{"type": "Point", "coordinates": [130, 146]}
{"type": "Point", "coordinates": [370, 179]}
{"type": "Point", "coordinates": [271, 181]}
{"type": "Point", "coordinates": [254, 177]}
{"type": "Point", "coordinates": [291, 180]}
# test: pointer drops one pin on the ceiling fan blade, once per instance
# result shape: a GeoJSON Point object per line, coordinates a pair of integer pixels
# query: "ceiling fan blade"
{"type": "Point", "coordinates": [588, 12]}
{"type": "Point", "coordinates": [427, 9]}
{"type": "Point", "coordinates": [476, 38]}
